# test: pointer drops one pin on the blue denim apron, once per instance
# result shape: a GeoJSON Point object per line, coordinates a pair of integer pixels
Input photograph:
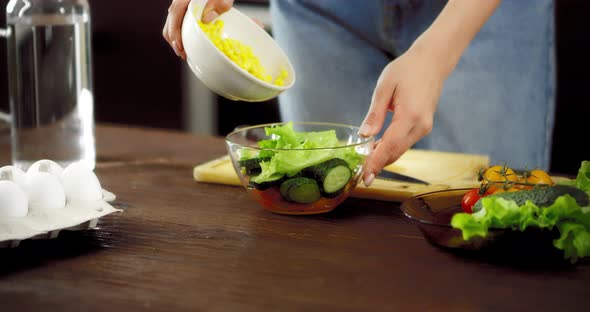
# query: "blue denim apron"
{"type": "Point", "coordinates": [498, 101]}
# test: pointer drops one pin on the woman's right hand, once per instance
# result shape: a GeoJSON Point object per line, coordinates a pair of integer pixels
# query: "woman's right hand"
{"type": "Point", "coordinates": [176, 11]}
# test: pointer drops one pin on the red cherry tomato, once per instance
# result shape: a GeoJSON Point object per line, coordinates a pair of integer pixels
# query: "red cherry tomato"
{"type": "Point", "coordinates": [469, 200]}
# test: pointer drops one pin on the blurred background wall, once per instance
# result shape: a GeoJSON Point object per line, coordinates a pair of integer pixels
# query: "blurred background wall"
{"type": "Point", "coordinates": [138, 80]}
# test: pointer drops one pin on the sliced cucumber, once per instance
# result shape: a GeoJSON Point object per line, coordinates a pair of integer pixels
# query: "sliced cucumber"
{"type": "Point", "coordinates": [252, 165]}
{"type": "Point", "coordinates": [332, 176]}
{"type": "Point", "coordinates": [542, 197]}
{"type": "Point", "coordinates": [272, 181]}
{"type": "Point", "coordinates": [300, 190]}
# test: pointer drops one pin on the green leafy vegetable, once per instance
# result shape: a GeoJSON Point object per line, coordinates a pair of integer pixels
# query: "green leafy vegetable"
{"type": "Point", "coordinates": [572, 220]}
{"type": "Point", "coordinates": [582, 180]}
{"type": "Point", "coordinates": [574, 240]}
{"type": "Point", "coordinates": [268, 172]}
{"type": "Point", "coordinates": [292, 151]}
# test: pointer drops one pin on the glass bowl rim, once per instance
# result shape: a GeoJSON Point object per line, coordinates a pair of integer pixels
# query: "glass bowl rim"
{"type": "Point", "coordinates": [422, 221]}
{"type": "Point", "coordinates": [364, 140]}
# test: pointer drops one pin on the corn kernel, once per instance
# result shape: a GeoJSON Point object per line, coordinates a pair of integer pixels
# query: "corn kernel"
{"type": "Point", "coordinates": [240, 54]}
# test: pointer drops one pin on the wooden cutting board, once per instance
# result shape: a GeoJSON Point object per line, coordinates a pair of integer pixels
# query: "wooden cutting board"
{"type": "Point", "coordinates": [443, 170]}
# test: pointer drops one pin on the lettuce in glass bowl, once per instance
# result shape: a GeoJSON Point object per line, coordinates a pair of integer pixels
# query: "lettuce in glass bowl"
{"type": "Point", "coordinates": [299, 167]}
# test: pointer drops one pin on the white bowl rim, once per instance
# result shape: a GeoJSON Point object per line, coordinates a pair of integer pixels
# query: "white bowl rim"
{"type": "Point", "coordinates": [232, 63]}
{"type": "Point", "coordinates": [365, 140]}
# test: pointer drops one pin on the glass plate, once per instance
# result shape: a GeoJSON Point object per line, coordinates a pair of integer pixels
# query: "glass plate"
{"type": "Point", "coordinates": [432, 213]}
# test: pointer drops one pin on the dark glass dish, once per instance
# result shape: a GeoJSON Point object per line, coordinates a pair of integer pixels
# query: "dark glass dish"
{"type": "Point", "coordinates": [432, 213]}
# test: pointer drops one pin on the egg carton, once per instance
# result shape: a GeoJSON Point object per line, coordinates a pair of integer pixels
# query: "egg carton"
{"type": "Point", "coordinates": [47, 225]}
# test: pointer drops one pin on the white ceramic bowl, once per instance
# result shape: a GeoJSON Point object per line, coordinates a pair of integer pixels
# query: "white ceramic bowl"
{"type": "Point", "coordinates": [222, 75]}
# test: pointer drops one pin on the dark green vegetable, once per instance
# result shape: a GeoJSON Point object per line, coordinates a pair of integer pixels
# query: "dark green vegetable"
{"type": "Point", "coordinates": [252, 165]}
{"type": "Point", "coordinates": [542, 197]}
{"type": "Point", "coordinates": [331, 175]}
{"type": "Point", "coordinates": [276, 180]}
{"type": "Point", "coordinates": [300, 190]}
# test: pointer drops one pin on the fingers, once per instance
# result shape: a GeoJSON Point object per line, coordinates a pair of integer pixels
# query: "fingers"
{"type": "Point", "coordinates": [165, 31]}
{"type": "Point", "coordinates": [214, 8]}
{"type": "Point", "coordinates": [172, 28]}
{"type": "Point", "coordinates": [173, 25]}
{"type": "Point", "coordinates": [381, 102]}
{"type": "Point", "coordinates": [406, 129]}
{"type": "Point", "coordinates": [393, 143]}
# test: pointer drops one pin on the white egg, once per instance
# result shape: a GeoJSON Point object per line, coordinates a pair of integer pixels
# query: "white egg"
{"type": "Point", "coordinates": [46, 165]}
{"type": "Point", "coordinates": [45, 192]}
{"type": "Point", "coordinates": [14, 174]}
{"type": "Point", "coordinates": [80, 183]}
{"type": "Point", "coordinates": [13, 200]}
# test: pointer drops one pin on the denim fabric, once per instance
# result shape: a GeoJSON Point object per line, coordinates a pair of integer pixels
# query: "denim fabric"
{"type": "Point", "coordinates": [498, 101]}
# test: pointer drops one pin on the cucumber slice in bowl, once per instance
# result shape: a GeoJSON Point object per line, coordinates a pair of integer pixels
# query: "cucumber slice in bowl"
{"type": "Point", "coordinates": [332, 176]}
{"type": "Point", "coordinates": [300, 190]}
{"type": "Point", "coordinates": [252, 165]}
{"type": "Point", "coordinates": [261, 186]}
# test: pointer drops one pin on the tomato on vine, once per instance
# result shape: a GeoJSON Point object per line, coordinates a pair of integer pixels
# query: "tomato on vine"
{"type": "Point", "coordinates": [535, 177]}
{"type": "Point", "coordinates": [472, 197]}
{"type": "Point", "coordinates": [497, 177]}
{"type": "Point", "coordinates": [501, 179]}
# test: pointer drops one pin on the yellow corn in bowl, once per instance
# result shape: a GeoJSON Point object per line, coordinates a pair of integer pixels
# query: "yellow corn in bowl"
{"type": "Point", "coordinates": [235, 57]}
{"type": "Point", "coordinates": [240, 53]}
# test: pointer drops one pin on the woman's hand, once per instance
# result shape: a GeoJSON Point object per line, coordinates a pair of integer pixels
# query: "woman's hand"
{"type": "Point", "coordinates": [410, 87]}
{"type": "Point", "coordinates": [176, 11]}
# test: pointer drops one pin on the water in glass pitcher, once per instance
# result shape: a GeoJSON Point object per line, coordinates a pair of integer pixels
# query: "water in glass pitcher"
{"type": "Point", "coordinates": [51, 99]}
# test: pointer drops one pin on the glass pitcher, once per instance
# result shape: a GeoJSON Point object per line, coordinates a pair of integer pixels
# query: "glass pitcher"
{"type": "Point", "coordinates": [50, 81]}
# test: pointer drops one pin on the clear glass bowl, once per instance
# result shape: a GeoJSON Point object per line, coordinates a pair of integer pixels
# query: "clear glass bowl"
{"type": "Point", "coordinates": [244, 141]}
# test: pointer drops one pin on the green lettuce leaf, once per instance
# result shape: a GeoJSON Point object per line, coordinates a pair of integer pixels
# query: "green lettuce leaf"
{"type": "Point", "coordinates": [269, 172]}
{"type": "Point", "coordinates": [286, 137]}
{"type": "Point", "coordinates": [582, 180]}
{"type": "Point", "coordinates": [572, 221]}
{"type": "Point", "coordinates": [294, 151]}
{"type": "Point", "coordinates": [292, 162]}
{"type": "Point", "coordinates": [574, 240]}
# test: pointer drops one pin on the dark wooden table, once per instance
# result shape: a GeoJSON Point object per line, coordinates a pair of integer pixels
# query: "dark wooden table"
{"type": "Point", "coordinates": [182, 245]}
